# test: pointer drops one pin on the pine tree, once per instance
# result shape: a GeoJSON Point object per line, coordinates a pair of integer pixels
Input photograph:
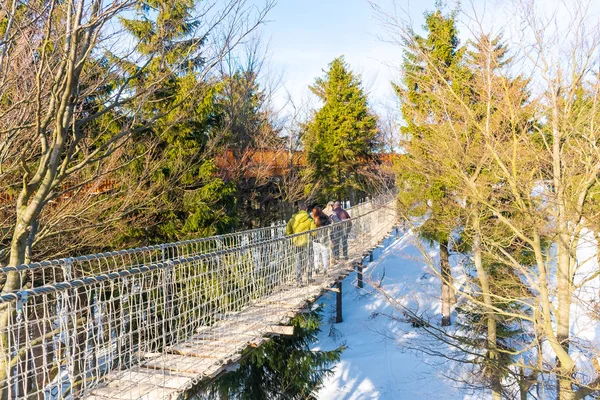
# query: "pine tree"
{"type": "Point", "coordinates": [340, 140]}
{"type": "Point", "coordinates": [191, 199]}
{"type": "Point", "coordinates": [429, 63]}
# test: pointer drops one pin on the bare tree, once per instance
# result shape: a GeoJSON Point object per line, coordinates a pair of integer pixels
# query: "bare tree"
{"type": "Point", "coordinates": [292, 183]}
{"type": "Point", "coordinates": [522, 156]}
{"type": "Point", "coordinates": [76, 87]}
{"type": "Point", "coordinates": [49, 134]}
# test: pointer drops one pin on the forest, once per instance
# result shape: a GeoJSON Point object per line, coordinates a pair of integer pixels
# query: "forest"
{"type": "Point", "coordinates": [502, 167]}
{"type": "Point", "coordinates": [136, 122]}
{"type": "Point", "coordinates": [170, 137]}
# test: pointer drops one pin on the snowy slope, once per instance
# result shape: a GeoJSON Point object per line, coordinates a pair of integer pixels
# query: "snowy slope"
{"type": "Point", "coordinates": [378, 362]}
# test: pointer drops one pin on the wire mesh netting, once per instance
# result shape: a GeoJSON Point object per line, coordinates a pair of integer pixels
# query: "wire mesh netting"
{"type": "Point", "coordinates": [163, 317]}
{"type": "Point", "coordinates": [64, 269]}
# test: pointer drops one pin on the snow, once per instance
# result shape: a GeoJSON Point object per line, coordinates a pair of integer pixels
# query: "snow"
{"type": "Point", "coordinates": [378, 362]}
{"type": "Point", "coordinates": [383, 358]}
{"type": "Point", "coordinates": [584, 326]}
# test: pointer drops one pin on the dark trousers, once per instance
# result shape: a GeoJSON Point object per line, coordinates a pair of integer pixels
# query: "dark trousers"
{"type": "Point", "coordinates": [344, 244]}
{"type": "Point", "coordinates": [339, 238]}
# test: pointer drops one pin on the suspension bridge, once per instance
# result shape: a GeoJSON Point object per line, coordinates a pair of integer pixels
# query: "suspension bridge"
{"type": "Point", "coordinates": [154, 322]}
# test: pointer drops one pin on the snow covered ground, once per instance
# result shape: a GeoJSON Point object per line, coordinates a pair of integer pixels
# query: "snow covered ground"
{"type": "Point", "coordinates": [381, 362]}
{"type": "Point", "coordinates": [378, 363]}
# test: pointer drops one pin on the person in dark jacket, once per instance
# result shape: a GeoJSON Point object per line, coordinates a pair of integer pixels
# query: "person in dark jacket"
{"type": "Point", "coordinates": [321, 241]}
{"type": "Point", "coordinates": [301, 222]}
{"type": "Point", "coordinates": [342, 234]}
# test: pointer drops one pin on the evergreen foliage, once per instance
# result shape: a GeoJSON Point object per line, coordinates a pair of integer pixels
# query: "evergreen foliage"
{"type": "Point", "coordinates": [246, 127]}
{"type": "Point", "coordinates": [282, 368]}
{"type": "Point", "coordinates": [487, 59]}
{"type": "Point", "coordinates": [341, 137]}
{"type": "Point", "coordinates": [189, 199]}
{"type": "Point", "coordinates": [429, 62]}
{"type": "Point", "coordinates": [193, 197]}
{"type": "Point", "coordinates": [452, 92]}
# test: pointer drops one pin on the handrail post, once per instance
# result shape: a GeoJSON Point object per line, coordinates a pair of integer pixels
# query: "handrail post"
{"type": "Point", "coordinates": [338, 303]}
{"type": "Point", "coordinates": [359, 275]}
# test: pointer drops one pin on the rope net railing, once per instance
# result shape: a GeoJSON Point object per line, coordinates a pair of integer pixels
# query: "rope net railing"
{"type": "Point", "coordinates": [64, 338]}
{"type": "Point", "coordinates": [60, 270]}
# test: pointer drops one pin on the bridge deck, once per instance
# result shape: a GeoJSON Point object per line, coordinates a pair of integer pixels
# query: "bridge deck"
{"type": "Point", "coordinates": [211, 350]}
{"type": "Point", "coordinates": [156, 322]}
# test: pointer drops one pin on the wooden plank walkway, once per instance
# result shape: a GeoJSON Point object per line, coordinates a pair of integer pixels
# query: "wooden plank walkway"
{"type": "Point", "coordinates": [212, 349]}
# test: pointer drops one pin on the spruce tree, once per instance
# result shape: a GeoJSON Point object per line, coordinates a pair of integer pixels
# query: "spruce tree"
{"type": "Point", "coordinates": [447, 159]}
{"type": "Point", "coordinates": [429, 63]}
{"type": "Point", "coordinates": [340, 140]}
{"type": "Point", "coordinates": [502, 292]}
{"type": "Point", "coordinates": [246, 130]}
{"type": "Point", "coordinates": [190, 199]}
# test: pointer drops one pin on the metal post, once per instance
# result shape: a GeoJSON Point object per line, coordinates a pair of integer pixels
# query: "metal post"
{"type": "Point", "coordinates": [359, 275]}
{"type": "Point", "coordinates": [371, 256]}
{"type": "Point", "coordinates": [338, 303]}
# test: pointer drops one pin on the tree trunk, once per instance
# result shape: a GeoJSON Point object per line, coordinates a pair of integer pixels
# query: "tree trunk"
{"type": "Point", "coordinates": [493, 359]}
{"type": "Point", "coordinates": [597, 235]}
{"type": "Point", "coordinates": [565, 363]}
{"type": "Point", "coordinates": [446, 276]}
{"type": "Point", "coordinates": [18, 250]}
{"type": "Point", "coordinates": [565, 389]}
{"type": "Point", "coordinates": [523, 388]}
{"type": "Point", "coordinates": [352, 197]}
{"type": "Point", "coordinates": [29, 243]}
{"type": "Point", "coordinates": [547, 328]}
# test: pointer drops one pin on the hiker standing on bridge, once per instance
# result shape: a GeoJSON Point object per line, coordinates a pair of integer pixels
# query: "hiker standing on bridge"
{"type": "Point", "coordinates": [341, 240]}
{"type": "Point", "coordinates": [301, 222]}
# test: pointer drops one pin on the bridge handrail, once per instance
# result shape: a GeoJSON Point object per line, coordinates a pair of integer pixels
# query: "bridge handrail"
{"type": "Point", "coordinates": [26, 294]}
{"type": "Point", "coordinates": [169, 263]}
{"type": "Point", "coordinates": [133, 250]}
{"type": "Point", "coordinates": [71, 334]}
{"type": "Point", "coordinates": [64, 269]}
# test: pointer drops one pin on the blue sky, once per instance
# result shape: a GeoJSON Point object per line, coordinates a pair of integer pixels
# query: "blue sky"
{"type": "Point", "coordinates": [304, 36]}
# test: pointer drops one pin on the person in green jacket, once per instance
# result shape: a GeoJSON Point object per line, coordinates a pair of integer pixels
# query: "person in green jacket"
{"type": "Point", "coordinates": [301, 222]}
